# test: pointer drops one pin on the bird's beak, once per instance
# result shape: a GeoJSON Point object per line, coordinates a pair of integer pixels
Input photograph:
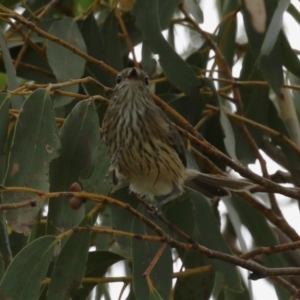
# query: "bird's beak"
{"type": "Point", "coordinates": [133, 74]}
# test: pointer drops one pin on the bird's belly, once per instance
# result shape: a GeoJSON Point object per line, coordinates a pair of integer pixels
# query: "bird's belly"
{"type": "Point", "coordinates": [151, 169]}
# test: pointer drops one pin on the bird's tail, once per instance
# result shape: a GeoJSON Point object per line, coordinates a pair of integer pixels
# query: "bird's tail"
{"type": "Point", "coordinates": [214, 185]}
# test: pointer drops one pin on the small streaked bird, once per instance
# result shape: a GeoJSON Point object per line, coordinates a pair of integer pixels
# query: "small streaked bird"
{"type": "Point", "coordinates": [146, 151]}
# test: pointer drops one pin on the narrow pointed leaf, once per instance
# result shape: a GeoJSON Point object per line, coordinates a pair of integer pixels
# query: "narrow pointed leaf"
{"type": "Point", "coordinates": [227, 33]}
{"type": "Point", "coordinates": [229, 139]}
{"type": "Point", "coordinates": [4, 119]}
{"type": "Point", "coordinates": [198, 286]}
{"type": "Point", "coordinates": [69, 268]}
{"type": "Point", "coordinates": [212, 238]}
{"type": "Point", "coordinates": [193, 7]}
{"type": "Point", "coordinates": [65, 64]}
{"type": "Point", "coordinates": [12, 82]}
{"type": "Point", "coordinates": [98, 182]}
{"type": "Point", "coordinates": [119, 215]}
{"type": "Point", "coordinates": [143, 252]}
{"type": "Point", "coordinates": [261, 234]}
{"type": "Point", "coordinates": [274, 27]}
{"type": "Point", "coordinates": [79, 138]}
{"type": "Point", "coordinates": [177, 71]}
{"type": "Point", "coordinates": [94, 41]}
{"type": "Point", "coordinates": [34, 144]}
{"type": "Point", "coordinates": [256, 27]}
{"type": "Point", "coordinates": [111, 41]}
{"type": "Point", "coordinates": [154, 295]}
{"type": "Point", "coordinates": [22, 280]}
{"type": "Point", "coordinates": [290, 58]}
{"type": "Point", "coordinates": [97, 265]}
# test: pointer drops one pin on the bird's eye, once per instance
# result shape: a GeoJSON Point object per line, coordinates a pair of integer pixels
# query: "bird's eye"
{"type": "Point", "coordinates": [119, 79]}
{"type": "Point", "coordinates": [147, 80]}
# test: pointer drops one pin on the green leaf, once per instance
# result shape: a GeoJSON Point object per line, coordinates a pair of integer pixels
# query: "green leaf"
{"type": "Point", "coordinates": [69, 268]}
{"type": "Point", "coordinates": [103, 241]}
{"type": "Point", "coordinates": [5, 246]}
{"type": "Point", "coordinates": [65, 64]}
{"type": "Point", "coordinates": [39, 70]}
{"type": "Point", "coordinates": [97, 265]}
{"type": "Point", "coordinates": [98, 181]}
{"type": "Point", "coordinates": [211, 237]}
{"type": "Point", "coordinates": [79, 138]}
{"type": "Point", "coordinates": [294, 12]}
{"type": "Point", "coordinates": [148, 62]}
{"type": "Point", "coordinates": [83, 5]}
{"type": "Point", "coordinates": [227, 32]}
{"type": "Point", "coordinates": [134, 33]}
{"type": "Point", "coordinates": [2, 268]}
{"type": "Point", "coordinates": [118, 215]}
{"type": "Point", "coordinates": [237, 224]}
{"type": "Point", "coordinates": [271, 64]}
{"type": "Point", "coordinates": [261, 234]}
{"type": "Point", "coordinates": [34, 145]}
{"type": "Point", "coordinates": [275, 122]}
{"type": "Point", "coordinates": [252, 98]}
{"type": "Point", "coordinates": [2, 80]}
{"type": "Point", "coordinates": [38, 229]}
{"type": "Point", "coordinates": [188, 107]}
{"type": "Point", "coordinates": [16, 100]}
{"type": "Point", "coordinates": [154, 295]}
{"type": "Point", "coordinates": [94, 41]}
{"type": "Point", "coordinates": [44, 24]}
{"type": "Point", "coordinates": [9, 3]}
{"type": "Point", "coordinates": [131, 294]}
{"type": "Point", "coordinates": [296, 94]}
{"type": "Point", "coordinates": [4, 119]}
{"type": "Point", "coordinates": [181, 213]}
{"type": "Point", "coordinates": [111, 41]}
{"type": "Point", "coordinates": [177, 71]}
{"type": "Point", "coordinates": [290, 59]}
{"type": "Point", "coordinates": [166, 10]}
{"type": "Point", "coordinates": [22, 280]}
{"type": "Point", "coordinates": [274, 27]}
{"type": "Point", "coordinates": [17, 242]}
{"type": "Point", "coordinates": [143, 252]}
{"type": "Point", "coordinates": [218, 285]}
{"type": "Point", "coordinates": [198, 286]}
{"type": "Point", "coordinates": [193, 7]}
{"type": "Point", "coordinates": [229, 139]}
{"type": "Point", "coordinates": [198, 60]}
{"type": "Point", "coordinates": [232, 295]}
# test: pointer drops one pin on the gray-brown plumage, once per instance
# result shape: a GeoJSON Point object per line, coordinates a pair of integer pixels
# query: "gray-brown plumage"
{"type": "Point", "coordinates": [146, 151]}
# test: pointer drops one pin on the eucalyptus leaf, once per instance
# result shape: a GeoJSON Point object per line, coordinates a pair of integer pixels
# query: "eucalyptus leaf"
{"type": "Point", "coordinates": [143, 252]}
{"type": "Point", "coordinates": [34, 145]}
{"type": "Point", "coordinates": [16, 100]}
{"type": "Point", "coordinates": [65, 64]}
{"type": "Point", "coordinates": [79, 138]}
{"type": "Point", "coordinates": [274, 27]}
{"type": "Point", "coordinates": [22, 280]}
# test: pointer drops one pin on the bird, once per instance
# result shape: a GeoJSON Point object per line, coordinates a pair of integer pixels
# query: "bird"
{"type": "Point", "coordinates": [147, 153]}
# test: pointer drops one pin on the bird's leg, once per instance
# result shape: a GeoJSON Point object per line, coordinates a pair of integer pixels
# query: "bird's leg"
{"type": "Point", "coordinates": [155, 209]}
{"type": "Point", "coordinates": [168, 199]}
{"type": "Point", "coordinates": [175, 193]}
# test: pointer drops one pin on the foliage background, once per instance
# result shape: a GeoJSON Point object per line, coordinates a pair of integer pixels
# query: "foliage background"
{"type": "Point", "coordinates": [58, 65]}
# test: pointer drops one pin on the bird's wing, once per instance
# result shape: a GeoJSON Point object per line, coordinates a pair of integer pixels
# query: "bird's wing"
{"type": "Point", "coordinates": [164, 129]}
